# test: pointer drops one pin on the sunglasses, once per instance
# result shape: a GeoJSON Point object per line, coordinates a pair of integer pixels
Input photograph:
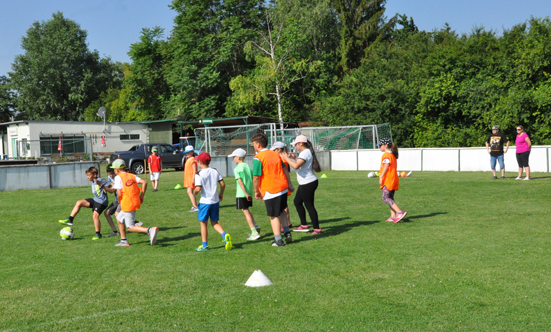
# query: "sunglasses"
{"type": "Point", "coordinates": [519, 129]}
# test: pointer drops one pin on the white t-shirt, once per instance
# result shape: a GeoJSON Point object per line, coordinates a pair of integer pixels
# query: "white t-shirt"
{"type": "Point", "coordinates": [118, 182]}
{"type": "Point", "coordinates": [305, 174]}
{"type": "Point", "coordinates": [208, 179]}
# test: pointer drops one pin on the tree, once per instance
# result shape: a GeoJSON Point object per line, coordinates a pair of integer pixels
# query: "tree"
{"type": "Point", "coordinates": [7, 100]}
{"type": "Point", "coordinates": [57, 77]}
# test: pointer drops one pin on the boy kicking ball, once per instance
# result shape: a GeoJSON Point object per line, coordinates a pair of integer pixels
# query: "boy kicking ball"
{"type": "Point", "coordinates": [130, 198]}
{"type": "Point", "coordinates": [98, 204]}
{"type": "Point", "coordinates": [206, 183]}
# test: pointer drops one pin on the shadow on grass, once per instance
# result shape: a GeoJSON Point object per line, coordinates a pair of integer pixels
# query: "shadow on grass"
{"type": "Point", "coordinates": [540, 178]}
{"type": "Point", "coordinates": [168, 241]}
{"type": "Point", "coordinates": [406, 219]}
{"type": "Point", "coordinates": [167, 228]}
{"type": "Point", "coordinates": [335, 230]}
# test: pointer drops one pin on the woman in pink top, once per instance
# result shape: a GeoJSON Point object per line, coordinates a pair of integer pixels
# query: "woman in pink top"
{"type": "Point", "coordinates": [523, 152]}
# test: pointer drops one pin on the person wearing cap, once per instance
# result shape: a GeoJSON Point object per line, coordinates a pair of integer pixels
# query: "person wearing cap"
{"type": "Point", "coordinates": [190, 169]}
{"type": "Point", "coordinates": [271, 182]}
{"type": "Point", "coordinates": [206, 183]}
{"type": "Point", "coordinates": [305, 165]}
{"type": "Point", "coordinates": [130, 199]}
{"type": "Point", "coordinates": [389, 180]}
{"type": "Point", "coordinates": [244, 190]}
{"type": "Point", "coordinates": [494, 146]}
{"type": "Point", "coordinates": [155, 165]}
{"type": "Point", "coordinates": [98, 204]}
{"type": "Point", "coordinates": [280, 147]}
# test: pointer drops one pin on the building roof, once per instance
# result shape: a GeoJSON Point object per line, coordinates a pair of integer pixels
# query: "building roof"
{"type": "Point", "coordinates": [75, 122]}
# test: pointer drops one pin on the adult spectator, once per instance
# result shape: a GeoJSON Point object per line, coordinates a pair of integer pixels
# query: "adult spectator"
{"type": "Point", "coordinates": [523, 152]}
{"type": "Point", "coordinates": [494, 145]}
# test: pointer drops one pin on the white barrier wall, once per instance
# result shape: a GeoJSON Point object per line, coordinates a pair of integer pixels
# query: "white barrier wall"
{"type": "Point", "coordinates": [439, 159]}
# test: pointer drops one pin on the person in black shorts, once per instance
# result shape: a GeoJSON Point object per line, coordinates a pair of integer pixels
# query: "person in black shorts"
{"type": "Point", "coordinates": [100, 188]}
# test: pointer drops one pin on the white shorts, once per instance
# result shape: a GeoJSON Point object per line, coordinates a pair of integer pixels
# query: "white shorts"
{"type": "Point", "coordinates": [127, 218]}
{"type": "Point", "coordinates": [155, 176]}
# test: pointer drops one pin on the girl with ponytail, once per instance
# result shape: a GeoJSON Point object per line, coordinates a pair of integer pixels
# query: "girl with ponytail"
{"type": "Point", "coordinates": [389, 180]}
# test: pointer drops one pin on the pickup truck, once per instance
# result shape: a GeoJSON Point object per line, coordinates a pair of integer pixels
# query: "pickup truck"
{"type": "Point", "coordinates": [136, 157]}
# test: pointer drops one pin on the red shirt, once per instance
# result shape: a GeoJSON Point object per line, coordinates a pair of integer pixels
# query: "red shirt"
{"type": "Point", "coordinates": [154, 163]}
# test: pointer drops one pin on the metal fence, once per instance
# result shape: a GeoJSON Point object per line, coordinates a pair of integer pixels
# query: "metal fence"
{"type": "Point", "coordinates": [219, 141]}
{"type": "Point", "coordinates": [64, 148]}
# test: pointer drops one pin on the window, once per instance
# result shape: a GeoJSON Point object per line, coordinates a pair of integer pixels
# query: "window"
{"type": "Point", "coordinates": [167, 149]}
{"type": "Point", "coordinates": [128, 137]}
{"type": "Point", "coordinates": [70, 144]}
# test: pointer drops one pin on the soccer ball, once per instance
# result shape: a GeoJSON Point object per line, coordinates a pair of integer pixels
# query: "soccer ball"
{"type": "Point", "coordinates": [371, 175]}
{"type": "Point", "coordinates": [403, 174]}
{"type": "Point", "coordinates": [67, 233]}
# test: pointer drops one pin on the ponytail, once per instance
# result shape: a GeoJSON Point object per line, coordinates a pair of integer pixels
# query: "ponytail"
{"type": "Point", "coordinates": [394, 149]}
{"type": "Point", "coordinates": [315, 164]}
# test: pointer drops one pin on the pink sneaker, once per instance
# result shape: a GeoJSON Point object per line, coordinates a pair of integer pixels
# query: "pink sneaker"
{"type": "Point", "coordinates": [400, 216]}
{"type": "Point", "coordinates": [390, 220]}
{"type": "Point", "coordinates": [316, 231]}
{"type": "Point", "coordinates": [301, 228]}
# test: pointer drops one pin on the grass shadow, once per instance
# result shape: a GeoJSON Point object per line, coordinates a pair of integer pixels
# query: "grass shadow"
{"type": "Point", "coordinates": [167, 241]}
{"type": "Point", "coordinates": [335, 230]}
{"type": "Point", "coordinates": [424, 215]}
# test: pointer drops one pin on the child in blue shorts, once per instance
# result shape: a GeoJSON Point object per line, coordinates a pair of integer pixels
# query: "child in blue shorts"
{"type": "Point", "coordinates": [206, 183]}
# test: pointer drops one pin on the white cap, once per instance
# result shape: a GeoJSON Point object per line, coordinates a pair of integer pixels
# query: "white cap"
{"type": "Point", "coordinates": [238, 153]}
{"type": "Point", "coordinates": [278, 145]}
{"type": "Point", "coordinates": [189, 148]}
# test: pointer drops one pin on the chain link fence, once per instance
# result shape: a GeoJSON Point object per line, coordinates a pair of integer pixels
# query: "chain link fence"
{"type": "Point", "coordinates": [65, 149]}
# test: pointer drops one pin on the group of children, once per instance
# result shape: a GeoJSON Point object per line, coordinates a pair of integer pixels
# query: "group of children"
{"type": "Point", "coordinates": [268, 180]}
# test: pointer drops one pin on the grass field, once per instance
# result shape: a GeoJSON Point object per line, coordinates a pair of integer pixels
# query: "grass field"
{"type": "Point", "coordinates": [472, 255]}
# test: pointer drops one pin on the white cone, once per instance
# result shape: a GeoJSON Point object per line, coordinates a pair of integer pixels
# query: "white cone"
{"type": "Point", "coordinates": [409, 174]}
{"type": "Point", "coordinates": [258, 279]}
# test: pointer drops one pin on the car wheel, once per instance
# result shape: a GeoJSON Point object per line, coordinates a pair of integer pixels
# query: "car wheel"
{"type": "Point", "coordinates": [138, 168]}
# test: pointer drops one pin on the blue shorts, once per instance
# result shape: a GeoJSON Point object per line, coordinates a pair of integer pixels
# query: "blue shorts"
{"type": "Point", "coordinates": [207, 211]}
{"type": "Point", "coordinates": [501, 162]}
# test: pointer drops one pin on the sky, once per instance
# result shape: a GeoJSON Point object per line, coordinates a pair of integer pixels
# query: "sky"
{"type": "Point", "coordinates": [114, 25]}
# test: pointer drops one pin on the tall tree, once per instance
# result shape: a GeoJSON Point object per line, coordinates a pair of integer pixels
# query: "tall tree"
{"type": "Point", "coordinates": [7, 100]}
{"type": "Point", "coordinates": [58, 76]}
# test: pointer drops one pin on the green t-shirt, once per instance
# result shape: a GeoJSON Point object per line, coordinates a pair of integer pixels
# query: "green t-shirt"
{"type": "Point", "coordinates": [243, 171]}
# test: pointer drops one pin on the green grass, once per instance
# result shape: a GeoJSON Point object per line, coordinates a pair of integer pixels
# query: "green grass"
{"type": "Point", "coordinates": [474, 255]}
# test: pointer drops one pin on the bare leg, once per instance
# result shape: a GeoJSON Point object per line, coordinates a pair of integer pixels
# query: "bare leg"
{"type": "Point", "coordinates": [217, 227]}
{"type": "Point", "coordinates": [249, 217]}
{"type": "Point", "coordinates": [527, 168]}
{"type": "Point", "coordinates": [519, 172]}
{"type": "Point", "coordinates": [503, 172]}
{"type": "Point", "coordinates": [109, 220]}
{"type": "Point", "coordinates": [138, 229]}
{"type": "Point", "coordinates": [494, 171]}
{"type": "Point", "coordinates": [192, 197]}
{"type": "Point", "coordinates": [78, 205]}
{"type": "Point", "coordinates": [122, 230]}
{"type": "Point", "coordinates": [288, 215]}
{"type": "Point", "coordinates": [283, 219]}
{"type": "Point", "coordinates": [276, 225]}
{"type": "Point", "coordinates": [204, 231]}
{"type": "Point", "coordinates": [97, 224]}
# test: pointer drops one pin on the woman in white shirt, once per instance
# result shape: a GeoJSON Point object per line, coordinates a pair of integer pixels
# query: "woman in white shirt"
{"type": "Point", "coordinates": [305, 165]}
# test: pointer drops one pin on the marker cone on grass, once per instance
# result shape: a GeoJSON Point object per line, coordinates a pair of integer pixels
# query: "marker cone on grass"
{"type": "Point", "coordinates": [324, 176]}
{"type": "Point", "coordinates": [178, 186]}
{"type": "Point", "coordinates": [258, 279]}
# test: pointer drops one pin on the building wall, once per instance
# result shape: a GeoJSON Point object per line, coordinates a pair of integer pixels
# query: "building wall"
{"type": "Point", "coordinates": [160, 132]}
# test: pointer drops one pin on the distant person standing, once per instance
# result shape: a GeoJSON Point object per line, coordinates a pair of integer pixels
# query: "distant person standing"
{"type": "Point", "coordinates": [190, 169]}
{"type": "Point", "coordinates": [523, 152]}
{"type": "Point", "coordinates": [494, 145]}
{"type": "Point", "coordinates": [155, 165]}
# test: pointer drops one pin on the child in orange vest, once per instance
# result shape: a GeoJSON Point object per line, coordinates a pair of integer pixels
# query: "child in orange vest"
{"type": "Point", "coordinates": [389, 180]}
{"type": "Point", "coordinates": [190, 169]}
{"type": "Point", "coordinates": [130, 199]}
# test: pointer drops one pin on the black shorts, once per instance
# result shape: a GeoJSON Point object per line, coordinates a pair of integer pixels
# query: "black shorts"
{"type": "Point", "coordinates": [113, 207]}
{"type": "Point", "coordinates": [276, 205]}
{"type": "Point", "coordinates": [96, 206]}
{"type": "Point", "coordinates": [241, 203]}
{"type": "Point", "coordinates": [522, 159]}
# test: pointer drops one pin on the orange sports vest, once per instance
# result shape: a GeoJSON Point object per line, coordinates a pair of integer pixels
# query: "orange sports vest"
{"type": "Point", "coordinates": [273, 178]}
{"type": "Point", "coordinates": [189, 174]}
{"type": "Point", "coordinates": [130, 198]}
{"type": "Point", "coordinates": [391, 179]}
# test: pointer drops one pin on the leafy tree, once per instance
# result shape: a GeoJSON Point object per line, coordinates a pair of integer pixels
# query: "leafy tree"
{"type": "Point", "coordinates": [58, 76]}
{"type": "Point", "coordinates": [7, 100]}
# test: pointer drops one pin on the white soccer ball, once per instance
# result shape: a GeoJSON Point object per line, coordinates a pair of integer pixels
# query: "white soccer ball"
{"type": "Point", "coordinates": [371, 175]}
{"type": "Point", "coordinates": [67, 233]}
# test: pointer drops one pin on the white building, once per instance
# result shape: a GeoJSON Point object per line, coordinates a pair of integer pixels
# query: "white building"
{"type": "Point", "coordinates": [29, 138]}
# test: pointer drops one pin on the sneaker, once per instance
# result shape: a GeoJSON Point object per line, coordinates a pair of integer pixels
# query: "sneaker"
{"type": "Point", "coordinates": [390, 220]}
{"type": "Point", "coordinates": [96, 237]}
{"type": "Point", "coordinates": [526, 179]}
{"type": "Point", "coordinates": [66, 222]}
{"type": "Point", "coordinates": [227, 239]}
{"type": "Point", "coordinates": [154, 190]}
{"type": "Point", "coordinates": [400, 216]}
{"type": "Point", "coordinates": [201, 248]}
{"type": "Point", "coordinates": [495, 178]}
{"type": "Point", "coordinates": [278, 244]}
{"type": "Point", "coordinates": [138, 223]}
{"type": "Point", "coordinates": [301, 228]}
{"type": "Point", "coordinates": [288, 237]}
{"type": "Point", "coordinates": [194, 209]}
{"type": "Point", "coordinates": [518, 178]}
{"type": "Point", "coordinates": [253, 237]}
{"type": "Point", "coordinates": [113, 234]}
{"type": "Point", "coordinates": [316, 231]}
{"type": "Point", "coordinates": [153, 235]}
{"type": "Point", "coordinates": [503, 178]}
{"type": "Point", "coordinates": [122, 243]}
{"type": "Point", "coordinates": [257, 229]}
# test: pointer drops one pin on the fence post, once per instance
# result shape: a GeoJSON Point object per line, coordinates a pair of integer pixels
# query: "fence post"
{"type": "Point", "coordinates": [459, 160]}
